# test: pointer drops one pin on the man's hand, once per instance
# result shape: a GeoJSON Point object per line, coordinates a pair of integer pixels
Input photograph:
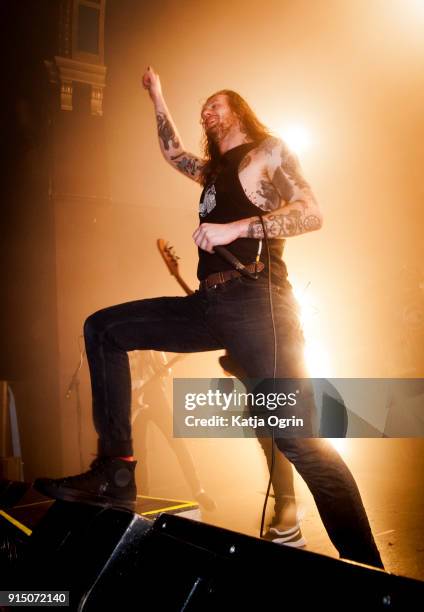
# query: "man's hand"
{"type": "Point", "coordinates": [209, 235]}
{"type": "Point", "coordinates": [151, 82]}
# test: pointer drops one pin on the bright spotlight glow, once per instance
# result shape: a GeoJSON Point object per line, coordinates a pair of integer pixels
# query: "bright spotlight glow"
{"type": "Point", "coordinates": [308, 311]}
{"type": "Point", "coordinates": [416, 5]}
{"type": "Point", "coordinates": [317, 360]}
{"type": "Point", "coordinates": [317, 357]}
{"type": "Point", "coordinates": [296, 136]}
{"type": "Point", "coordinates": [340, 444]}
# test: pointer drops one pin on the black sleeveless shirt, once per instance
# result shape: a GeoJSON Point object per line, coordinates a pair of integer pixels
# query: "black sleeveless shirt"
{"type": "Point", "coordinates": [224, 201]}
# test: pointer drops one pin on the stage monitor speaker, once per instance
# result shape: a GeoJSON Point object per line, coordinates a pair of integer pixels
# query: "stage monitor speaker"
{"type": "Point", "coordinates": [110, 559]}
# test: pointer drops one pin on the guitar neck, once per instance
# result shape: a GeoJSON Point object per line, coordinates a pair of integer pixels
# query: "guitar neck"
{"type": "Point", "coordinates": [183, 284]}
{"type": "Point", "coordinates": [171, 260]}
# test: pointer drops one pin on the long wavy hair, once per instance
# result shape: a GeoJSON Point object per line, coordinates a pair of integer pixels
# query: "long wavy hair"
{"type": "Point", "coordinates": [250, 124]}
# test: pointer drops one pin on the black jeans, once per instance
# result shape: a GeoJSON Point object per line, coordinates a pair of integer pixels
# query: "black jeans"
{"type": "Point", "coordinates": [236, 316]}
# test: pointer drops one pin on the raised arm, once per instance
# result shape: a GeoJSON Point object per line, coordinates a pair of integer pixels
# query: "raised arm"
{"type": "Point", "coordinates": [169, 139]}
{"type": "Point", "coordinates": [295, 211]}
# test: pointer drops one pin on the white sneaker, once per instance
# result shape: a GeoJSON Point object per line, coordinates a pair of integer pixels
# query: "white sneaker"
{"type": "Point", "coordinates": [289, 537]}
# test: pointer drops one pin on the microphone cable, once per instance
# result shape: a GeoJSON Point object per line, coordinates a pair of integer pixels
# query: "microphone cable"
{"type": "Point", "coordinates": [231, 259]}
{"type": "Point", "coordinates": [274, 373]}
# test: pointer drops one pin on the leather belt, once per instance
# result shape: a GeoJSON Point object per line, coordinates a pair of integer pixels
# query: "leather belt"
{"type": "Point", "coordinates": [217, 278]}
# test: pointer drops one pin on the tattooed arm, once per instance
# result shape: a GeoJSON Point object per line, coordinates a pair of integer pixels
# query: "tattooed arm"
{"type": "Point", "coordinates": [292, 207]}
{"type": "Point", "coordinates": [169, 139]}
{"type": "Point", "coordinates": [281, 190]}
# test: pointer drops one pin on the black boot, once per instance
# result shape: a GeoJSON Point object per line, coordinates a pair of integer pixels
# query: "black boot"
{"type": "Point", "coordinates": [109, 482]}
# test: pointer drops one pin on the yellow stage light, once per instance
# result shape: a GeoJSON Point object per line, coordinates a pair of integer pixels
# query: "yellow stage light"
{"type": "Point", "coordinates": [296, 136]}
{"type": "Point", "coordinates": [317, 359]}
{"type": "Point", "coordinates": [316, 356]}
{"type": "Point", "coordinates": [340, 444]}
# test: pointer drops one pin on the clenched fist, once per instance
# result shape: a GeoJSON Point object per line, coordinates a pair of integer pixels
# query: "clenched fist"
{"type": "Point", "coordinates": [208, 235]}
{"type": "Point", "coordinates": [151, 82]}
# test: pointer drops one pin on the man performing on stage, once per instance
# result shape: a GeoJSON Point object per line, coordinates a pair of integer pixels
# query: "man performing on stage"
{"type": "Point", "coordinates": [251, 184]}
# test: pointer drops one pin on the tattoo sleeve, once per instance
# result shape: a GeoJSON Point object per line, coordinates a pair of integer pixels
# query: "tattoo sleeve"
{"type": "Point", "coordinates": [284, 224]}
{"type": "Point", "coordinates": [172, 148]}
{"type": "Point", "coordinates": [187, 164]}
{"type": "Point", "coordinates": [289, 198]}
{"type": "Point", "coordinates": [166, 132]}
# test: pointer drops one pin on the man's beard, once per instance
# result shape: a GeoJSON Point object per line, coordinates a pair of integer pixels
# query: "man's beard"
{"type": "Point", "coordinates": [219, 130]}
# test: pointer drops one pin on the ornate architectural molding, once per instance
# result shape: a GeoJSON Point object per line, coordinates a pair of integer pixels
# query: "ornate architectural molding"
{"type": "Point", "coordinates": [81, 44]}
{"type": "Point", "coordinates": [65, 28]}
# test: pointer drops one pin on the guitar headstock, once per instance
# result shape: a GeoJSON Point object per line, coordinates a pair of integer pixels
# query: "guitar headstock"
{"type": "Point", "coordinates": [169, 256]}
